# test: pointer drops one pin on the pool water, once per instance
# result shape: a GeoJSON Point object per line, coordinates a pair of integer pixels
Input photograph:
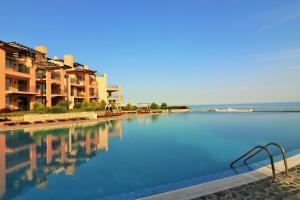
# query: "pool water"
{"type": "Point", "coordinates": [122, 159]}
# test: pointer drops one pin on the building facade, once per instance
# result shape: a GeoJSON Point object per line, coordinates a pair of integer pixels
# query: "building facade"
{"type": "Point", "coordinates": [27, 75]}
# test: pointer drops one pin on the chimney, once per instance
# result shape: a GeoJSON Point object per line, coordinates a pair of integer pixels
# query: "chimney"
{"type": "Point", "coordinates": [69, 60]}
{"type": "Point", "coordinates": [42, 49]}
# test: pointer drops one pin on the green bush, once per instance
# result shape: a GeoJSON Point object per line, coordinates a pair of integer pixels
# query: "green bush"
{"type": "Point", "coordinates": [154, 106]}
{"type": "Point", "coordinates": [85, 104]}
{"type": "Point", "coordinates": [78, 105]}
{"type": "Point", "coordinates": [64, 104]}
{"type": "Point", "coordinates": [178, 107]}
{"type": "Point", "coordinates": [164, 106]}
{"type": "Point", "coordinates": [38, 107]}
{"type": "Point", "coordinates": [57, 109]}
{"type": "Point", "coordinates": [94, 104]}
{"type": "Point", "coordinates": [102, 105]}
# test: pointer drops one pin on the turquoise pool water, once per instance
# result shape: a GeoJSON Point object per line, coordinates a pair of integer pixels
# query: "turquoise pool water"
{"type": "Point", "coordinates": [126, 159]}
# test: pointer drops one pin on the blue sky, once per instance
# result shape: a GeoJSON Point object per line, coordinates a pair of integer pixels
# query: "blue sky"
{"type": "Point", "coordinates": [179, 52]}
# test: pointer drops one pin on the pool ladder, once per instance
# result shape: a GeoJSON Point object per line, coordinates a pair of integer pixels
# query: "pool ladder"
{"type": "Point", "coordinates": [249, 154]}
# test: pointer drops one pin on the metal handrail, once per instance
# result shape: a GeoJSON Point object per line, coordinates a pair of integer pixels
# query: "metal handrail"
{"type": "Point", "coordinates": [278, 146]}
{"type": "Point", "coordinates": [261, 148]}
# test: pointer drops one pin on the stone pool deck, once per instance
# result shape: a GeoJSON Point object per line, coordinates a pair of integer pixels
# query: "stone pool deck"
{"type": "Point", "coordinates": [284, 188]}
{"type": "Point", "coordinates": [256, 184]}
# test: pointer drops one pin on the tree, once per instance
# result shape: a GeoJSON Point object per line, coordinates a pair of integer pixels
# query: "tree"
{"type": "Point", "coordinates": [164, 106]}
{"type": "Point", "coordinates": [128, 107]}
{"type": "Point", "coordinates": [154, 106]}
{"type": "Point", "coordinates": [102, 105]}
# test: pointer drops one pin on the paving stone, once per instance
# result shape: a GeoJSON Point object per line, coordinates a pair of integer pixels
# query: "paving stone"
{"type": "Point", "coordinates": [285, 188]}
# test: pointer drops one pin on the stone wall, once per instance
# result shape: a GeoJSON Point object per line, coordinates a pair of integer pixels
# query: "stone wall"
{"type": "Point", "coordinates": [43, 117]}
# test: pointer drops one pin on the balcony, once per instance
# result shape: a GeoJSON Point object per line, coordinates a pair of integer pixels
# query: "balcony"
{"type": "Point", "coordinates": [92, 82]}
{"type": "Point", "coordinates": [80, 95]}
{"type": "Point", "coordinates": [77, 82]}
{"type": "Point", "coordinates": [15, 69]}
{"type": "Point", "coordinates": [56, 91]}
{"type": "Point", "coordinates": [19, 90]}
{"type": "Point", "coordinates": [41, 92]}
{"type": "Point", "coordinates": [56, 76]}
{"type": "Point", "coordinates": [40, 74]}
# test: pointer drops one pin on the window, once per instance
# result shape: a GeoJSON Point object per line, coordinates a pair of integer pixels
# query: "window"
{"type": "Point", "coordinates": [22, 86]}
{"type": "Point", "coordinates": [7, 101]}
{"type": "Point", "coordinates": [24, 69]}
{"type": "Point", "coordinates": [41, 88]}
{"type": "Point", "coordinates": [8, 63]}
{"type": "Point", "coordinates": [41, 73]}
{"type": "Point", "coordinates": [7, 84]}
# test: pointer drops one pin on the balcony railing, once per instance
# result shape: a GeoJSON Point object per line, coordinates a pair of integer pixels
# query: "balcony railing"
{"type": "Point", "coordinates": [23, 88]}
{"type": "Point", "coordinates": [19, 68]}
{"type": "Point", "coordinates": [41, 92]}
{"type": "Point", "coordinates": [19, 89]}
{"type": "Point", "coordinates": [77, 81]}
{"type": "Point", "coordinates": [40, 75]}
{"type": "Point", "coordinates": [56, 91]}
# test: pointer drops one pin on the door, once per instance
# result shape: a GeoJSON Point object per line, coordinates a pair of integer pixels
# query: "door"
{"type": "Point", "coordinates": [23, 103]}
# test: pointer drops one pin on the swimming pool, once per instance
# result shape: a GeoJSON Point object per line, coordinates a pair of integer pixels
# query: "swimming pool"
{"type": "Point", "coordinates": [136, 157]}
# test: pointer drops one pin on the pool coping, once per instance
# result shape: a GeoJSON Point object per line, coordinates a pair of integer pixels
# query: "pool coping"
{"type": "Point", "coordinates": [68, 124]}
{"type": "Point", "coordinates": [225, 183]}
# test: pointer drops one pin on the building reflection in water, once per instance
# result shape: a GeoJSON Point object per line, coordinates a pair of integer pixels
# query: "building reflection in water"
{"type": "Point", "coordinates": [27, 157]}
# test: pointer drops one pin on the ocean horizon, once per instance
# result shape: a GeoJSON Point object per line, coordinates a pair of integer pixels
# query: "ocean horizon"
{"type": "Point", "coordinates": [278, 106]}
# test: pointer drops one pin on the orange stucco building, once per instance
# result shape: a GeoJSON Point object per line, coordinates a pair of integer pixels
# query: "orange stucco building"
{"type": "Point", "coordinates": [27, 75]}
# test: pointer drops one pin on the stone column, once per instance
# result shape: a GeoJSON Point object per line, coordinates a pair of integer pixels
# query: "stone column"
{"type": "Point", "coordinates": [48, 89]}
{"type": "Point", "coordinates": [87, 86]}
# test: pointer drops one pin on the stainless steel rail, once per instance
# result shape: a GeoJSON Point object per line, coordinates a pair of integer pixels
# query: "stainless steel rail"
{"type": "Point", "coordinates": [279, 147]}
{"type": "Point", "coordinates": [260, 149]}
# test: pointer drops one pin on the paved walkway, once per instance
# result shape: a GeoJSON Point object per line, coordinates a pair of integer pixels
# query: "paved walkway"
{"type": "Point", "coordinates": [285, 188]}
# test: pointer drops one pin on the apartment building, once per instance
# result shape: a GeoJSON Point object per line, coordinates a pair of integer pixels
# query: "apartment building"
{"type": "Point", "coordinates": [28, 75]}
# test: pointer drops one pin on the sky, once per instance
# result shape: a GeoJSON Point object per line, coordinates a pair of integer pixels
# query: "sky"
{"type": "Point", "coordinates": [175, 51]}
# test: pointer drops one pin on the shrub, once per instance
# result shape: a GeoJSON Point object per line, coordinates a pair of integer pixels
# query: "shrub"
{"type": "Point", "coordinates": [57, 109]}
{"type": "Point", "coordinates": [94, 104]}
{"type": "Point", "coordinates": [128, 107]}
{"type": "Point", "coordinates": [85, 103]}
{"type": "Point", "coordinates": [164, 106]}
{"type": "Point", "coordinates": [78, 105]}
{"type": "Point", "coordinates": [64, 104]}
{"type": "Point", "coordinates": [102, 105]}
{"type": "Point", "coordinates": [38, 107]}
{"type": "Point", "coordinates": [178, 107]}
{"type": "Point", "coordinates": [154, 106]}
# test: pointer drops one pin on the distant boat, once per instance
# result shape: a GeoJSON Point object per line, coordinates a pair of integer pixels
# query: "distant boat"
{"type": "Point", "coordinates": [230, 110]}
